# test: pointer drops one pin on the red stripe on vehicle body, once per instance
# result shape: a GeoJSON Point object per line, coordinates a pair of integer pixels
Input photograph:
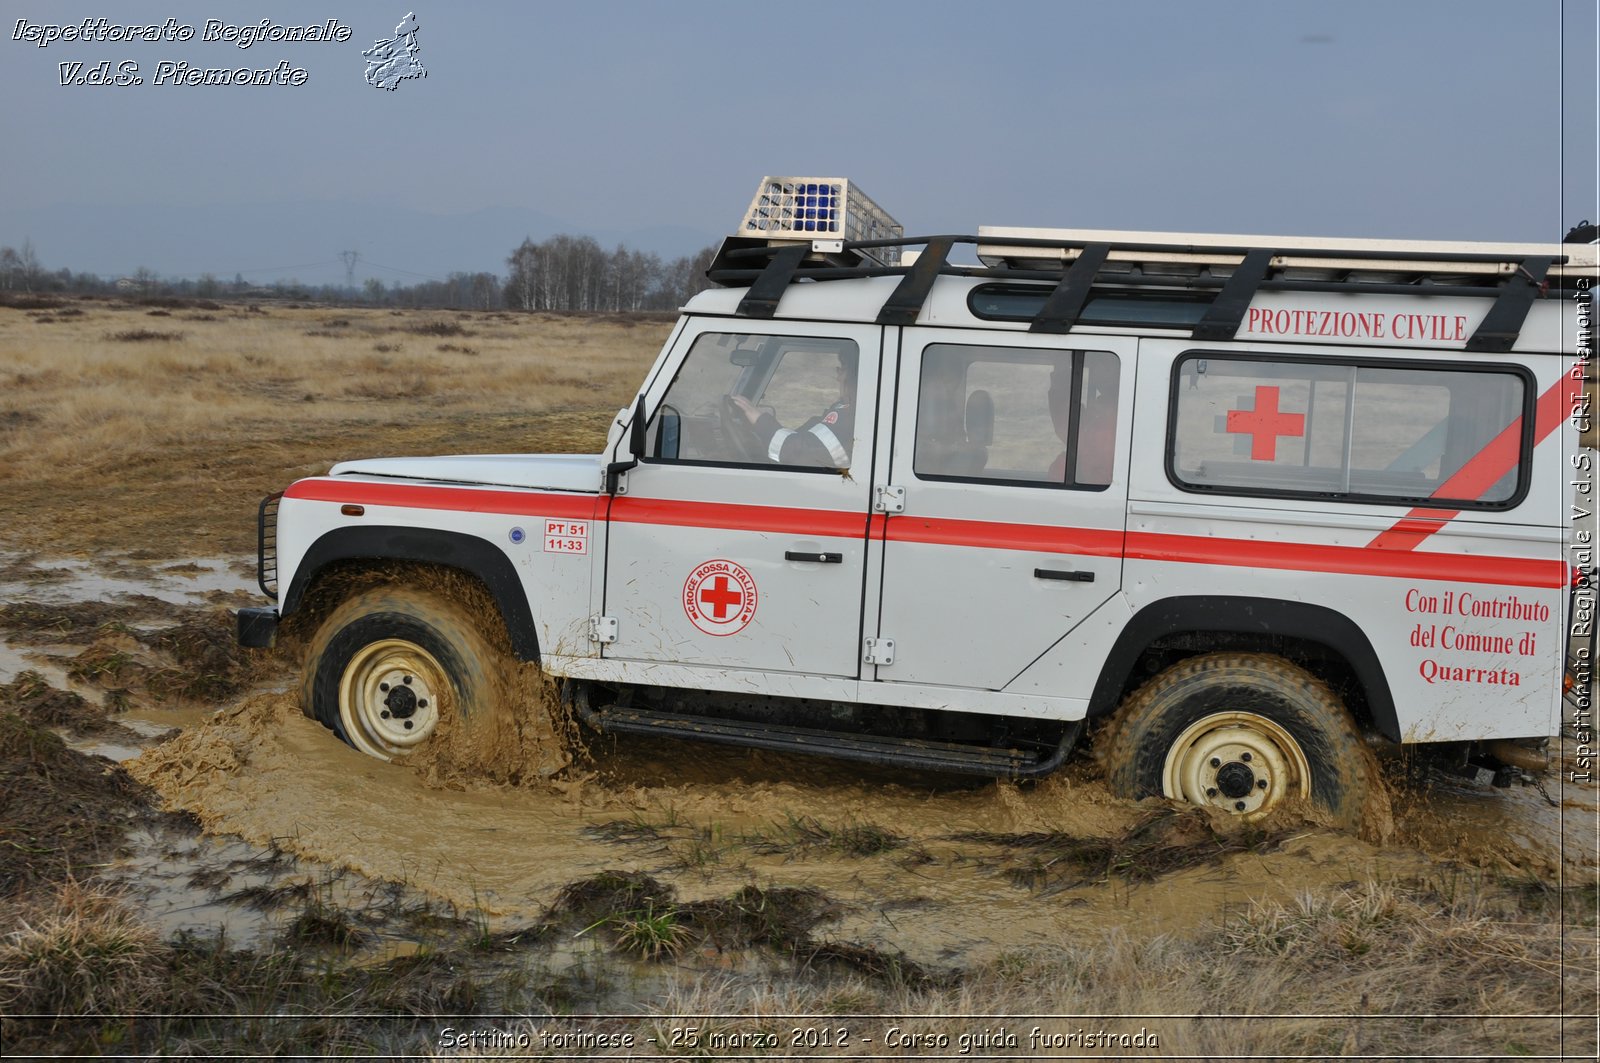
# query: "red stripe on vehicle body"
{"type": "Point", "coordinates": [1370, 560]}
{"type": "Point", "coordinates": [1348, 560]}
{"type": "Point", "coordinates": [1483, 470]}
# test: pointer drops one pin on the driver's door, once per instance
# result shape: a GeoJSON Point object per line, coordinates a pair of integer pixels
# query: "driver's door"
{"type": "Point", "coordinates": [719, 557]}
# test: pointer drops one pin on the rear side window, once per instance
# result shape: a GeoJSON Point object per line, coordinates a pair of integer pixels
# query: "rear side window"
{"type": "Point", "coordinates": [1384, 433]}
{"type": "Point", "coordinates": [1018, 415]}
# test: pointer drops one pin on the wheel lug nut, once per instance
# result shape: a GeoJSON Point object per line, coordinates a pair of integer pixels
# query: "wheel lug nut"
{"type": "Point", "coordinates": [1238, 805]}
{"type": "Point", "coordinates": [406, 680]}
{"type": "Point", "coordinates": [422, 703]}
{"type": "Point", "coordinates": [1244, 756]}
{"type": "Point", "coordinates": [1261, 784]}
{"type": "Point", "coordinates": [1211, 791]}
{"type": "Point", "coordinates": [384, 714]}
{"type": "Point", "coordinates": [384, 687]}
{"type": "Point", "coordinates": [1216, 762]}
{"type": "Point", "coordinates": [408, 727]}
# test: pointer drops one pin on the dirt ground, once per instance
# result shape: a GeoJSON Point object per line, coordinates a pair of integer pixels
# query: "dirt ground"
{"type": "Point", "coordinates": [177, 841]}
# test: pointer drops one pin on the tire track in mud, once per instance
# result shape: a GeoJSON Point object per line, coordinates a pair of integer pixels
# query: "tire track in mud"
{"type": "Point", "coordinates": [973, 871]}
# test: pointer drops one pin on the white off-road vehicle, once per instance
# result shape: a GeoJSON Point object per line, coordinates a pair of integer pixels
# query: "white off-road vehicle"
{"type": "Point", "coordinates": [1255, 501]}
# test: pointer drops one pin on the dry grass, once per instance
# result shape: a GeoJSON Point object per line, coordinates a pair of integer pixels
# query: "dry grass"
{"type": "Point", "coordinates": [1378, 971]}
{"type": "Point", "coordinates": [180, 434]}
{"type": "Point", "coordinates": [80, 954]}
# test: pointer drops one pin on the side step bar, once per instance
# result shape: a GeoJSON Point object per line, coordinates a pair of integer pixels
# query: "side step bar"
{"type": "Point", "coordinates": [918, 753]}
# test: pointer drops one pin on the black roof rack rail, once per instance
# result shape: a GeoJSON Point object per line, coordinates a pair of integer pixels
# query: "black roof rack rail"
{"type": "Point", "coordinates": [1514, 277]}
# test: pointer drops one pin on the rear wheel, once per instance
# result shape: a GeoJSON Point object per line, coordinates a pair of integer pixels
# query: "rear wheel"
{"type": "Point", "coordinates": [1244, 734]}
{"type": "Point", "coordinates": [391, 665]}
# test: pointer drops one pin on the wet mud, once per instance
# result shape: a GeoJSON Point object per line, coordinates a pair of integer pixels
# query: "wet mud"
{"type": "Point", "coordinates": [941, 872]}
{"type": "Point", "coordinates": [504, 815]}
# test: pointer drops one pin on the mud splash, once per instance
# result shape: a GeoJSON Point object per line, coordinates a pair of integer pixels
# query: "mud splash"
{"type": "Point", "coordinates": [956, 885]}
{"type": "Point", "coordinates": [1545, 828]}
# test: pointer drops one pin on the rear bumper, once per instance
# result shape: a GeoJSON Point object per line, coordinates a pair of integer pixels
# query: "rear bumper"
{"type": "Point", "coordinates": [257, 627]}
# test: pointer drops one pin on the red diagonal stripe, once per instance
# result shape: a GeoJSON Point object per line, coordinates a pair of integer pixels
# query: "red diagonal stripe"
{"type": "Point", "coordinates": [1483, 470]}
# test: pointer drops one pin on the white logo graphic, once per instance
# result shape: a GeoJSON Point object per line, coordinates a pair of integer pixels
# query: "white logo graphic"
{"type": "Point", "coordinates": [391, 62]}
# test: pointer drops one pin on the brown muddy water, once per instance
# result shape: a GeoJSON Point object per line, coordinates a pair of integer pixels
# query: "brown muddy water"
{"type": "Point", "coordinates": [946, 872]}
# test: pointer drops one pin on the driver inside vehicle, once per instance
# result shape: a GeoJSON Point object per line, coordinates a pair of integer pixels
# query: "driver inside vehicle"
{"type": "Point", "coordinates": [825, 440]}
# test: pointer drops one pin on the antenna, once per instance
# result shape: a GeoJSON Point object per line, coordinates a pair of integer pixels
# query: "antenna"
{"type": "Point", "coordinates": [350, 259]}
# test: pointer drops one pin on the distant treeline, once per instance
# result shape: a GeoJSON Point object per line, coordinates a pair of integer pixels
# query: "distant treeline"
{"type": "Point", "coordinates": [560, 273]}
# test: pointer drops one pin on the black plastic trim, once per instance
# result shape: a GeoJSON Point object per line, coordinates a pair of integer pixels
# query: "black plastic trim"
{"type": "Point", "coordinates": [1209, 615]}
{"type": "Point", "coordinates": [469, 553]}
{"type": "Point", "coordinates": [904, 304]}
{"type": "Point", "coordinates": [1524, 463]}
{"type": "Point", "coordinates": [256, 626]}
{"type": "Point", "coordinates": [767, 290]}
{"type": "Point", "coordinates": [267, 544]}
{"type": "Point", "coordinates": [1500, 327]}
{"type": "Point", "coordinates": [1063, 305]}
{"type": "Point", "coordinates": [1222, 318]}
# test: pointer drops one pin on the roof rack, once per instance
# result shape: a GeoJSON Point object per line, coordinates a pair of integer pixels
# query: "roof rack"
{"type": "Point", "coordinates": [1234, 267]}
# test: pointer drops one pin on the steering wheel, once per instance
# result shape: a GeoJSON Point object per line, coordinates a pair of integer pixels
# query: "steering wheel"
{"type": "Point", "coordinates": [740, 433]}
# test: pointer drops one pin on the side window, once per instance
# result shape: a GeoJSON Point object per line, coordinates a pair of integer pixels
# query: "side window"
{"type": "Point", "coordinates": [745, 399]}
{"type": "Point", "coordinates": [1017, 415]}
{"type": "Point", "coordinates": [1258, 426]}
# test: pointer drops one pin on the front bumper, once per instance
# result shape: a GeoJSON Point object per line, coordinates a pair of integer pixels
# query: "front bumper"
{"type": "Point", "coordinates": [257, 627]}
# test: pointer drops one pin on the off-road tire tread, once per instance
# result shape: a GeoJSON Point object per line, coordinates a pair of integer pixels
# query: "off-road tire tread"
{"type": "Point", "coordinates": [1133, 747]}
{"type": "Point", "coordinates": [432, 621]}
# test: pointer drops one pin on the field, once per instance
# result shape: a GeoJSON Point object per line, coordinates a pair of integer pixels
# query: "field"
{"type": "Point", "coordinates": [189, 866]}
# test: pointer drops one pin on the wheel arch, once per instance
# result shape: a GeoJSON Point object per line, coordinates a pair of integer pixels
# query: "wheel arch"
{"type": "Point", "coordinates": [1246, 623]}
{"type": "Point", "coordinates": [471, 554]}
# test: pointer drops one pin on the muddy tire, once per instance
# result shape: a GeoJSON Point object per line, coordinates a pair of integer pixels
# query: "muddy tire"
{"type": "Point", "coordinates": [1244, 734]}
{"type": "Point", "coordinates": [389, 664]}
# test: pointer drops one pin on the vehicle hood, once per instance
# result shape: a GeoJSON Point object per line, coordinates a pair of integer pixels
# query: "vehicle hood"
{"type": "Point", "coordinates": [549, 472]}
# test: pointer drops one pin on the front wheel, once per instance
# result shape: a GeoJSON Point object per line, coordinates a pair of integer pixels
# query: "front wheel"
{"type": "Point", "coordinates": [1244, 734]}
{"type": "Point", "coordinates": [391, 667]}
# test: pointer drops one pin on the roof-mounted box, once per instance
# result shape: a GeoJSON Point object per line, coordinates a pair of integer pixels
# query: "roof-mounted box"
{"type": "Point", "coordinates": [823, 211]}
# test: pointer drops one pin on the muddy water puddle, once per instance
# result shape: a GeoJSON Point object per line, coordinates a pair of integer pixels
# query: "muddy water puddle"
{"type": "Point", "coordinates": [80, 580]}
{"type": "Point", "coordinates": [945, 875]}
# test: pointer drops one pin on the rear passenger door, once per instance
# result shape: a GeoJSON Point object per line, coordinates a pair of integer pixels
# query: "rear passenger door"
{"type": "Point", "coordinates": [1013, 461]}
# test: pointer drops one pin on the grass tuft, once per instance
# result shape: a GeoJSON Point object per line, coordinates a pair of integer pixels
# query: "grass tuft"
{"type": "Point", "coordinates": [82, 955]}
{"type": "Point", "coordinates": [144, 335]}
{"type": "Point", "coordinates": [650, 934]}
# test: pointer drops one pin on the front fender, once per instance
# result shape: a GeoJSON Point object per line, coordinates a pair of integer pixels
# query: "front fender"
{"type": "Point", "coordinates": [468, 553]}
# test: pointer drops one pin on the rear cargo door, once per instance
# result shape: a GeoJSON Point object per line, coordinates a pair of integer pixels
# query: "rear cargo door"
{"type": "Point", "coordinates": [1011, 454]}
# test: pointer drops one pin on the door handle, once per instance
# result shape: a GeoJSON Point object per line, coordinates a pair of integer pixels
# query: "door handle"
{"type": "Point", "coordinates": [1056, 573]}
{"type": "Point", "coordinates": [825, 559]}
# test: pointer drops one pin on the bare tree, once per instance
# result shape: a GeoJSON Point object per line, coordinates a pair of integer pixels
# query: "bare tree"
{"type": "Point", "coordinates": [28, 266]}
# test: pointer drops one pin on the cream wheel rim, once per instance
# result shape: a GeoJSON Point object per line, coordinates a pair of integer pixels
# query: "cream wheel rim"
{"type": "Point", "coordinates": [1238, 762]}
{"type": "Point", "coordinates": [389, 697]}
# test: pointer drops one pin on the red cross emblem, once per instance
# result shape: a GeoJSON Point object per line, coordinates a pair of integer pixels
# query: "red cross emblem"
{"type": "Point", "coordinates": [719, 597]}
{"type": "Point", "coordinates": [1265, 424]}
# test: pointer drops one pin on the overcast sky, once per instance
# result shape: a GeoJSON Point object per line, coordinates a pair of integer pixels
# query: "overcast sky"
{"type": "Point", "coordinates": [1441, 119]}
